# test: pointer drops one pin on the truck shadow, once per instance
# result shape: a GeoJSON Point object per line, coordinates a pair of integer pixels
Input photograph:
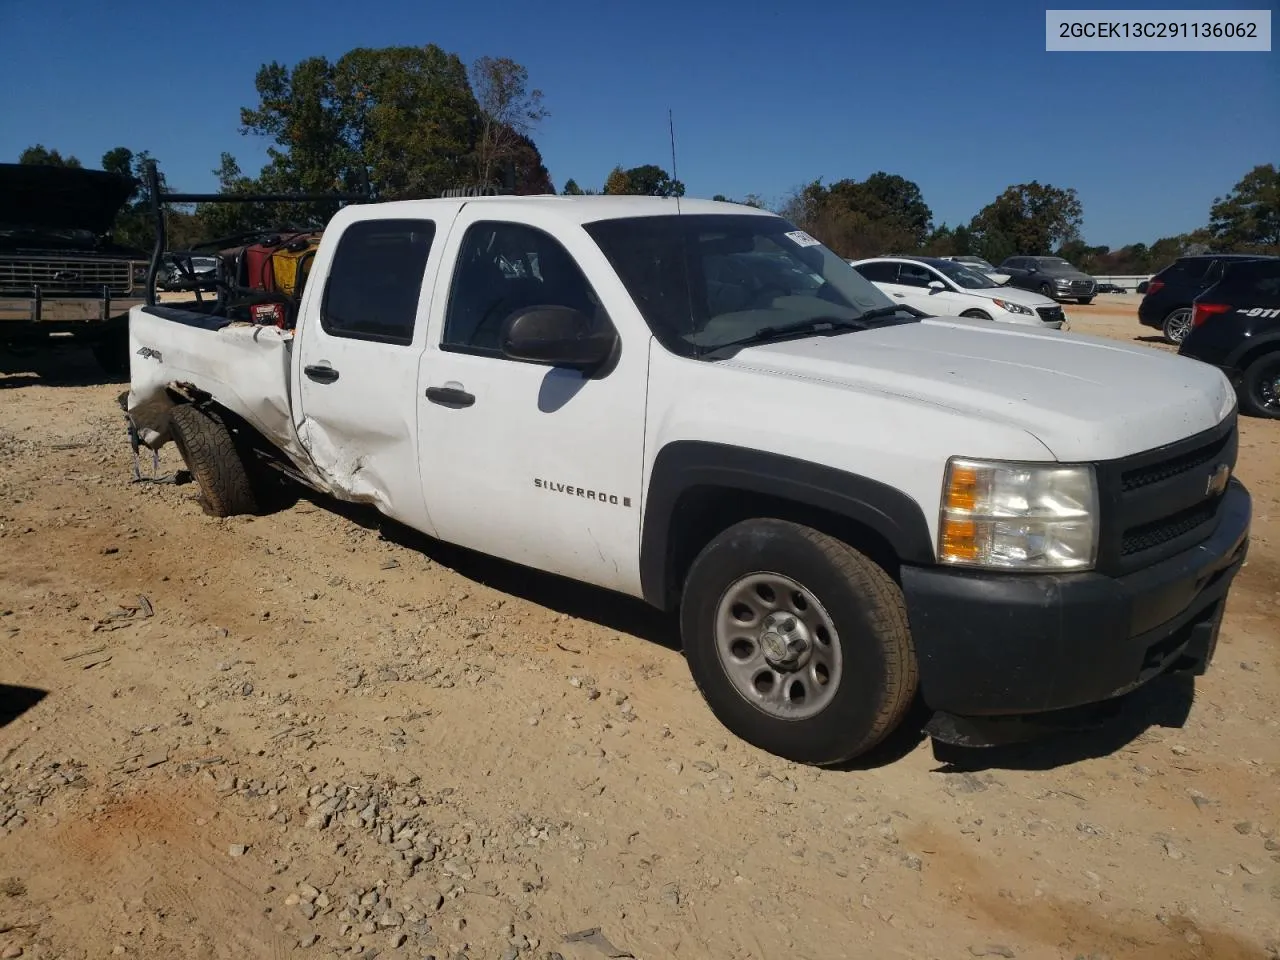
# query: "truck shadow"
{"type": "Point", "coordinates": [15, 701]}
{"type": "Point", "coordinates": [613, 610]}
{"type": "Point", "coordinates": [69, 365]}
{"type": "Point", "coordinates": [1163, 702]}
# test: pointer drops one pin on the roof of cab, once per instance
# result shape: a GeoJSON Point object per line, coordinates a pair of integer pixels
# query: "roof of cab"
{"type": "Point", "coordinates": [575, 209]}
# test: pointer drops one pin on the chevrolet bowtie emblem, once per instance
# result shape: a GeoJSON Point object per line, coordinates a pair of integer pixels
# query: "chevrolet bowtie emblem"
{"type": "Point", "coordinates": [1217, 481]}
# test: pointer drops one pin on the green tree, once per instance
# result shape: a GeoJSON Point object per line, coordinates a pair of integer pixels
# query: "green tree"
{"type": "Point", "coordinates": [962, 241]}
{"type": "Point", "coordinates": [509, 111]}
{"type": "Point", "coordinates": [885, 213]}
{"type": "Point", "coordinates": [1029, 219]}
{"type": "Point", "coordinates": [941, 242]}
{"type": "Point", "coordinates": [571, 188]}
{"type": "Point", "coordinates": [39, 156]}
{"type": "Point", "coordinates": [402, 119]}
{"type": "Point", "coordinates": [528, 173]}
{"type": "Point", "coordinates": [1247, 220]}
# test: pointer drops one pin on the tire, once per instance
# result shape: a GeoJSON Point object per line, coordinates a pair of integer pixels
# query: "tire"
{"type": "Point", "coordinates": [1177, 325]}
{"type": "Point", "coordinates": [214, 459]}
{"type": "Point", "coordinates": [868, 658]}
{"type": "Point", "coordinates": [1085, 301]}
{"type": "Point", "coordinates": [975, 315]}
{"type": "Point", "coordinates": [1046, 290]}
{"type": "Point", "coordinates": [1259, 390]}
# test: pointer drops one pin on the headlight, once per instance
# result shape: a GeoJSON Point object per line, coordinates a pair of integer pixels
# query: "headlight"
{"type": "Point", "coordinates": [1013, 307]}
{"type": "Point", "coordinates": [1018, 516]}
{"type": "Point", "coordinates": [140, 273]}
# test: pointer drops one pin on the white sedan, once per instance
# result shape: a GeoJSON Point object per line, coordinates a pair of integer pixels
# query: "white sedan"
{"type": "Point", "coordinates": [944, 288]}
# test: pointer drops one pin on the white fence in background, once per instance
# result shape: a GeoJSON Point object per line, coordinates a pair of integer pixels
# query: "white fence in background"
{"type": "Point", "coordinates": [1130, 283]}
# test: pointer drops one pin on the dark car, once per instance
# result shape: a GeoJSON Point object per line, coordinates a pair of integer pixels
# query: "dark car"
{"type": "Point", "coordinates": [1235, 325]}
{"type": "Point", "coordinates": [1166, 303]}
{"type": "Point", "coordinates": [1052, 276]}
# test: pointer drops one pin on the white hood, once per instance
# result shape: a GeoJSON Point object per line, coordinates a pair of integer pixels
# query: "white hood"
{"type": "Point", "coordinates": [1027, 298]}
{"type": "Point", "coordinates": [1084, 398]}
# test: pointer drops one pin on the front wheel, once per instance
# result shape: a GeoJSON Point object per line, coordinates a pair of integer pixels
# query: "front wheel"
{"type": "Point", "coordinates": [1085, 301]}
{"type": "Point", "coordinates": [1260, 387]}
{"type": "Point", "coordinates": [1046, 290]}
{"type": "Point", "coordinates": [975, 315]}
{"type": "Point", "coordinates": [799, 643]}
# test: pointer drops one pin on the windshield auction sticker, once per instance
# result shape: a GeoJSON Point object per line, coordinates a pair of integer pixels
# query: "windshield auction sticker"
{"type": "Point", "coordinates": [802, 239]}
{"type": "Point", "coordinates": [1170, 31]}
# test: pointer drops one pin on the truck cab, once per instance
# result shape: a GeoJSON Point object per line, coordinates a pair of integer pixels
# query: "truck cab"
{"type": "Point", "coordinates": [847, 503]}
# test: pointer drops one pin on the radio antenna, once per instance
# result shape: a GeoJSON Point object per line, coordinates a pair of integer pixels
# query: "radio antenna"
{"type": "Point", "coordinates": [675, 177]}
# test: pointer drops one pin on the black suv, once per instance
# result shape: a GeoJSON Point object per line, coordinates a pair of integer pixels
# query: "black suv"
{"type": "Point", "coordinates": [1235, 325]}
{"type": "Point", "coordinates": [1166, 305]}
{"type": "Point", "coordinates": [1052, 276]}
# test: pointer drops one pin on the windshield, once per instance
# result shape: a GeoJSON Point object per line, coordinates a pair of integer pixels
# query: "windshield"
{"type": "Point", "coordinates": [1055, 265]}
{"type": "Point", "coordinates": [60, 236]}
{"type": "Point", "coordinates": [970, 278]}
{"type": "Point", "coordinates": [707, 280]}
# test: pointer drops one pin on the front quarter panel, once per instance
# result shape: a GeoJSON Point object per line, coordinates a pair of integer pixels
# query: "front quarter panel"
{"type": "Point", "coordinates": [884, 451]}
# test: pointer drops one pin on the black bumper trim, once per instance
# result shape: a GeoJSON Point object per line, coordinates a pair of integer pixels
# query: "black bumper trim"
{"type": "Point", "coordinates": [994, 644]}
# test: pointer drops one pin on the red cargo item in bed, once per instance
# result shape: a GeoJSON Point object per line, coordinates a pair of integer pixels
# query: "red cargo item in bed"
{"type": "Point", "coordinates": [258, 274]}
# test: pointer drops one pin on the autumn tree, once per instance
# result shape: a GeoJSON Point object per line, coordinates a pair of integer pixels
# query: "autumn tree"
{"type": "Point", "coordinates": [649, 180]}
{"type": "Point", "coordinates": [509, 111]}
{"type": "Point", "coordinates": [1247, 220]}
{"type": "Point", "coordinates": [1029, 219]}
{"type": "Point", "coordinates": [38, 155]}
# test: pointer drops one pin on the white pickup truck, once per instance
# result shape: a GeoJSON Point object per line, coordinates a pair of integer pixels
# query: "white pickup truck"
{"type": "Point", "coordinates": [697, 404]}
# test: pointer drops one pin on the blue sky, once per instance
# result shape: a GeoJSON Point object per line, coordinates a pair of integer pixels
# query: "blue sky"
{"type": "Point", "coordinates": [960, 97]}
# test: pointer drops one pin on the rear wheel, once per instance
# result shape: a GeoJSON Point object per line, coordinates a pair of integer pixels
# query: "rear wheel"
{"type": "Point", "coordinates": [215, 459]}
{"type": "Point", "coordinates": [798, 642]}
{"type": "Point", "coordinates": [1260, 387]}
{"type": "Point", "coordinates": [1177, 325]}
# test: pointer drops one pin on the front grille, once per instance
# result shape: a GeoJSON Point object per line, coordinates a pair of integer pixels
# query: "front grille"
{"type": "Point", "coordinates": [1159, 532]}
{"type": "Point", "coordinates": [1161, 502]}
{"type": "Point", "coordinates": [1143, 476]}
{"type": "Point", "coordinates": [55, 277]}
{"type": "Point", "coordinates": [1050, 314]}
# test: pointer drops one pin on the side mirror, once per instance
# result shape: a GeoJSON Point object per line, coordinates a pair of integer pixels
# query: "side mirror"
{"type": "Point", "coordinates": [936, 286]}
{"type": "Point", "coordinates": [557, 337]}
{"type": "Point", "coordinates": [1033, 269]}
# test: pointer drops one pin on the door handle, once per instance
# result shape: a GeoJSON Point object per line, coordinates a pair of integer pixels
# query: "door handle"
{"type": "Point", "coordinates": [320, 374]}
{"type": "Point", "coordinates": [899, 295]}
{"type": "Point", "coordinates": [453, 397]}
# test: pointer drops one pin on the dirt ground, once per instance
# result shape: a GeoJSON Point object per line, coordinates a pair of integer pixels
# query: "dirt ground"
{"type": "Point", "coordinates": [303, 734]}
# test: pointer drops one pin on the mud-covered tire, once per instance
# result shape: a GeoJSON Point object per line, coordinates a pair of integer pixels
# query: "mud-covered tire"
{"type": "Point", "coordinates": [872, 659]}
{"type": "Point", "coordinates": [215, 459]}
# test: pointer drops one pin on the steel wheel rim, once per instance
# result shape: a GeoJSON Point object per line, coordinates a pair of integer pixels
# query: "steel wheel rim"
{"type": "Point", "coordinates": [778, 646]}
{"type": "Point", "coordinates": [1178, 325]}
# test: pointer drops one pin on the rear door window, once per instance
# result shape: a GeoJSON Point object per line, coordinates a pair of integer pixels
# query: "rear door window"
{"type": "Point", "coordinates": [375, 280]}
{"type": "Point", "coordinates": [880, 272]}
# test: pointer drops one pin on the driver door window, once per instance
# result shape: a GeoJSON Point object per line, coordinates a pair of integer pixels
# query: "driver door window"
{"type": "Point", "coordinates": [503, 268]}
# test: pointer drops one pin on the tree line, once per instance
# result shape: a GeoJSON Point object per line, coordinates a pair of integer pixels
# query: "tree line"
{"type": "Point", "coordinates": [409, 122]}
{"type": "Point", "coordinates": [887, 214]}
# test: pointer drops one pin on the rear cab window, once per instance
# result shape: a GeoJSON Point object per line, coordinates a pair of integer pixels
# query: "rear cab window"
{"type": "Point", "coordinates": [375, 280]}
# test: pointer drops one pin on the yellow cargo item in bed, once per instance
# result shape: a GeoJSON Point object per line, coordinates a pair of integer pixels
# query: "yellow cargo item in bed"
{"type": "Point", "coordinates": [291, 262]}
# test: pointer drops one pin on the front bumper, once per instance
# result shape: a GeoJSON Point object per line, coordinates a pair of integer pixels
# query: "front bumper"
{"type": "Point", "coordinates": [61, 309]}
{"type": "Point", "coordinates": [992, 644]}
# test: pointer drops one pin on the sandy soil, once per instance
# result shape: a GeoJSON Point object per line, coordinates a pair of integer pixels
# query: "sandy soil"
{"type": "Point", "coordinates": [301, 734]}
